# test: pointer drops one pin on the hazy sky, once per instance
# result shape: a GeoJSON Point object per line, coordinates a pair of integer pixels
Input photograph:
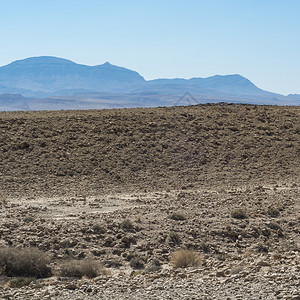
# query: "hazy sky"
{"type": "Point", "coordinates": [259, 39]}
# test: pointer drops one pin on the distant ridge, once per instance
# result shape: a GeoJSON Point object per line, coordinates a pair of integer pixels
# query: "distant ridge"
{"type": "Point", "coordinates": [45, 75]}
{"type": "Point", "coordinates": [73, 86]}
{"type": "Point", "coordinates": [40, 60]}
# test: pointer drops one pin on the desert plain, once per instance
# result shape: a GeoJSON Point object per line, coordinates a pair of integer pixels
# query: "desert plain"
{"type": "Point", "coordinates": [130, 192]}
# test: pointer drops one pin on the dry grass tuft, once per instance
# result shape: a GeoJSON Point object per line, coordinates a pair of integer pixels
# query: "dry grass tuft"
{"type": "Point", "coordinates": [177, 217]}
{"type": "Point", "coordinates": [26, 262]}
{"type": "Point", "coordinates": [174, 238]}
{"type": "Point", "coordinates": [20, 282]}
{"type": "Point", "coordinates": [273, 212]}
{"type": "Point", "coordinates": [239, 214]}
{"type": "Point", "coordinates": [127, 225]}
{"type": "Point", "coordinates": [85, 268]}
{"type": "Point", "coordinates": [185, 258]}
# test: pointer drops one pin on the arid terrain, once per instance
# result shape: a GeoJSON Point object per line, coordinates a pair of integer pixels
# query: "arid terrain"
{"type": "Point", "coordinates": [129, 188]}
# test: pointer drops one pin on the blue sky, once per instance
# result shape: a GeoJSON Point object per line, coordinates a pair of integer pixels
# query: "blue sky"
{"type": "Point", "coordinates": [258, 39]}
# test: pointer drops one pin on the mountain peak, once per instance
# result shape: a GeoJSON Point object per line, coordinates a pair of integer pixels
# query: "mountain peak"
{"type": "Point", "coordinates": [45, 76]}
{"type": "Point", "coordinates": [41, 60]}
{"type": "Point", "coordinates": [48, 74]}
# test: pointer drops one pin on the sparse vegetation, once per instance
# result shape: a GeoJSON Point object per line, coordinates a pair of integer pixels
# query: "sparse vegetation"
{"type": "Point", "coordinates": [83, 268]}
{"type": "Point", "coordinates": [27, 262]}
{"type": "Point", "coordinates": [185, 258]}
{"type": "Point", "coordinates": [98, 229]}
{"type": "Point", "coordinates": [239, 213]}
{"type": "Point", "coordinates": [130, 221]}
{"type": "Point", "coordinates": [28, 219]}
{"type": "Point", "coordinates": [177, 217]}
{"type": "Point", "coordinates": [174, 237]}
{"type": "Point", "coordinates": [232, 233]}
{"type": "Point", "coordinates": [20, 281]}
{"type": "Point", "coordinates": [262, 248]}
{"type": "Point", "coordinates": [204, 247]}
{"type": "Point", "coordinates": [137, 263]}
{"type": "Point", "coordinates": [273, 212]}
{"type": "Point", "coordinates": [221, 256]}
{"type": "Point", "coordinates": [127, 225]}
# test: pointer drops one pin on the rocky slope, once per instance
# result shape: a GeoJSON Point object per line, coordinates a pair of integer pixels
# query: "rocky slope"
{"type": "Point", "coordinates": [130, 187]}
{"type": "Point", "coordinates": [57, 152]}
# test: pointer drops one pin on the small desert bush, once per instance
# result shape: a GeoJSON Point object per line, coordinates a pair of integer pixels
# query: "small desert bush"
{"type": "Point", "coordinates": [98, 229]}
{"type": "Point", "coordinates": [127, 225]}
{"type": "Point", "coordinates": [177, 217]}
{"type": "Point", "coordinates": [185, 258]}
{"type": "Point", "coordinates": [273, 212]}
{"type": "Point", "coordinates": [137, 263]}
{"type": "Point", "coordinates": [26, 262]}
{"type": "Point", "coordinates": [204, 247]}
{"type": "Point", "coordinates": [174, 237]}
{"type": "Point", "coordinates": [20, 281]}
{"type": "Point", "coordinates": [84, 268]}
{"type": "Point", "coordinates": [28, 219]}
{"type": "Point", "coordinates": [239, 214]}
{"type": "Point", "coordinates": [221, 256]}
{"type": "Point", "coordinates": [262, 248]}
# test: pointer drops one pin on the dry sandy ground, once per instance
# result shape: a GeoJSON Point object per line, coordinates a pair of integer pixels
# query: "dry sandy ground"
{"type": "Point", "coordinates": [106, 185]}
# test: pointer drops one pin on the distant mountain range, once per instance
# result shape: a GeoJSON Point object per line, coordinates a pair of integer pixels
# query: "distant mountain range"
{"type": "Point", "coordinates": [54, 83]}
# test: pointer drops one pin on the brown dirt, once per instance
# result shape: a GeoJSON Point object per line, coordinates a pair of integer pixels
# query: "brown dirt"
{"type": "Point", "coordinates": [69, 152]}
{"type": "Point", "coordinates": [103, 184]}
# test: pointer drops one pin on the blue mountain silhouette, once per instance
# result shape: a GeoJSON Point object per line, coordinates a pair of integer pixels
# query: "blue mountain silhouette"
{"type": "Point", "coordinates": [108, 85]}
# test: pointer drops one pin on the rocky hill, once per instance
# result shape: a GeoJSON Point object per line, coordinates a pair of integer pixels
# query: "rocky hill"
{"type": "Point", "coordinates": [162, 203]}
{"type": "Point", "coordinates": [155, 148]}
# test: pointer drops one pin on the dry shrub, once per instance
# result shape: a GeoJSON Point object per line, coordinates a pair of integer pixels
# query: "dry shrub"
{"type": "Point", "coordinates": [85, 268]}
{"type": "Point", "coordinates": [29, 219]}
{"type": "Point", "coordinates": [273, 212]}
{"type": "Point", "coordinates": [174, 237]}
{"type": "Point", "coordinates": [177, 217]}
{"type": "Point", "coordinates": [20, 281]}
{"type": "Point", "coordinates": [262, 248]}
{"type": "Point", "coordinates": [222, 256]}
{"type": "Point", "coordinates": [239, 214]}
{"type": "Point", "coordinates": [185, 258]}
{"type": "Point", "coordinates": [127, 225]}
{"type": "Point", "coordinates": [137, 263]}
{"type": "Point", "coordinates": [98, 229]}
{"type": "Point", "coordinates": [26, 262]}
{"type": "Point", "coordinates": [204, 247]}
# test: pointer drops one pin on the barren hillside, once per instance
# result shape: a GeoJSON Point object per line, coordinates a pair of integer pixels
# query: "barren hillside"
{"type": "Point", "coordinates": [54, 152]}
{"type": "Point", "coordinates": [129, 188]}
